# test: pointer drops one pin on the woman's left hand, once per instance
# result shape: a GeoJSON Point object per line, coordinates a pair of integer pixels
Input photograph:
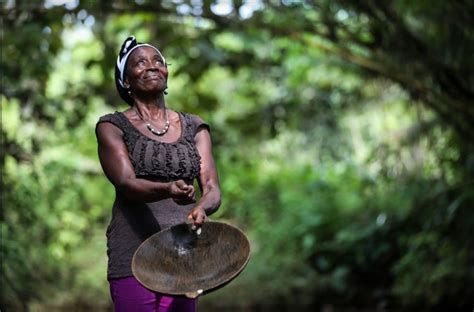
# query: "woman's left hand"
{"type": "Point", "coordinates": [197, 216]}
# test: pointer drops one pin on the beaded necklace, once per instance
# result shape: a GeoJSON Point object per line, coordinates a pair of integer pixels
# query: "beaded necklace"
{"type": "Point", "coordinates": [150, 127]}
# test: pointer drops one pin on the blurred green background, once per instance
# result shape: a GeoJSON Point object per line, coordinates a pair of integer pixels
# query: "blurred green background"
{"type": "Point", "coordinates": [343, 133]}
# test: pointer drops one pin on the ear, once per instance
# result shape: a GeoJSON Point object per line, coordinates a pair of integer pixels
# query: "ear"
{"type": "Point", "coordinates": [126, 84]}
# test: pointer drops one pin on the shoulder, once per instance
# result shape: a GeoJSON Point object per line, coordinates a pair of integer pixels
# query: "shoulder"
{"type": "Point", "coordinates": [115, 118]}
{"type": "Point", "coordinates": [104, 121]}
{"type": "Point", "coordinates": [196, 122]}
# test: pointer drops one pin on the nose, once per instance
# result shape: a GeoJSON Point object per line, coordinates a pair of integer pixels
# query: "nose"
{"type": "Point", "coordinates": [155, 66]}
{"type": "Point", "coordinates": [152, 66]}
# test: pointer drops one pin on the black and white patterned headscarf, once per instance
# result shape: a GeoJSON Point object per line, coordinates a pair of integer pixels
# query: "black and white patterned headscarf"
{"type": "Point", "coordinates": [128, 46]}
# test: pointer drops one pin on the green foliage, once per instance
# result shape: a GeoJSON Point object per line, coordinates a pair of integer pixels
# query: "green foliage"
{"type": "Point", "coordinates": [342, 132]}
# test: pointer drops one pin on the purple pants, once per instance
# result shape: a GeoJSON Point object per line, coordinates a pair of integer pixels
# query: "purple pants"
{"type": "Point", "coordinates": [129, 295]}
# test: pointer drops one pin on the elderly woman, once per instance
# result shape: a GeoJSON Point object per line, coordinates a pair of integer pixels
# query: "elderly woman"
{"type": "Point", "coordinates": [152, 155]}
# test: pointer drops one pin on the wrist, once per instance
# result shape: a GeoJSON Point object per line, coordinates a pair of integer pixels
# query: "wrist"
{"type": "Point", "coordinates": [163, 189]}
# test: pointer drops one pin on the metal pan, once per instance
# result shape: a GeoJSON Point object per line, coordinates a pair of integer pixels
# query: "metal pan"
{"type": "Point", "coordinates": [181, 261]}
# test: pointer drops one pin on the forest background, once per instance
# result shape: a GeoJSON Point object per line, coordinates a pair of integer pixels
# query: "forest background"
{"type": "Point", "coordinates": [343, 134]}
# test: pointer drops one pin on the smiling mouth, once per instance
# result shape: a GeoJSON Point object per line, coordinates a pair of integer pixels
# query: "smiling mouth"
{"type": "Point", "coordinates": [153, 77]}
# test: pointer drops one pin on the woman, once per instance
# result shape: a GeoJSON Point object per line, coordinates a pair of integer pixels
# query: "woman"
{"type": "Point", "coordinates": [152, 155]}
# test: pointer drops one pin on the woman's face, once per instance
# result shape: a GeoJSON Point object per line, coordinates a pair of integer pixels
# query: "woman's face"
{"type": "Point", "coordinates": [146, 72]}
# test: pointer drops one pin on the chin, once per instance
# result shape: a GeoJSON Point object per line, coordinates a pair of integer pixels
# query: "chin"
{"type": "Point", "coordinates": [157, 89]}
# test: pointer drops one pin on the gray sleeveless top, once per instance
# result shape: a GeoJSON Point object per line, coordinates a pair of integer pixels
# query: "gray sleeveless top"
{"type": "Point", "coordinates": [132, 222]}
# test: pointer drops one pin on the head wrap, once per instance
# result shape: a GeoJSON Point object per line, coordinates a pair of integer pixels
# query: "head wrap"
{"type": "Point", "coordinates": [128, 46]}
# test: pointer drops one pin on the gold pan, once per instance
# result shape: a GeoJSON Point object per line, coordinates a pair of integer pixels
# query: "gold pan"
{"type": "Point", "coordinates": [181, 261]}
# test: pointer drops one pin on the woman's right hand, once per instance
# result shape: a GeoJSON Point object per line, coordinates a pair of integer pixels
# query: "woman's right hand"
{"type": "Point", "coordinates": [181, 192]}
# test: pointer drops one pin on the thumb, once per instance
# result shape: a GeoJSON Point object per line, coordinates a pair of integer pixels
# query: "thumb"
{"type": "Point", "coordinates": [181, 184]}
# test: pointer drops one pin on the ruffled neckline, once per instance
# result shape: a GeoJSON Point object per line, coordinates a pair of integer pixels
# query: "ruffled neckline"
{"type": "Point", "coordinates": [130, 125]}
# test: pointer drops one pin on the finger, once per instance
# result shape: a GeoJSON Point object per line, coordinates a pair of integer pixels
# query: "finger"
{"type": "Point", "coordinates": [188, 189]}
{"type": "Point", "coordinates": [192, 193]}
{"type": "Point", "coordinates": [199, 220]}
{"type": "Point", "coordinates": [186, 196]}
{"type": "Point", "coordinates": [191, 217]}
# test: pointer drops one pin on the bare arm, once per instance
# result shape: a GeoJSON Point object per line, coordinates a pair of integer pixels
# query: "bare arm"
{"type": "Point", "coordinates": [117, 167]}
{"type": "Point", "coordinates": [208, 180]}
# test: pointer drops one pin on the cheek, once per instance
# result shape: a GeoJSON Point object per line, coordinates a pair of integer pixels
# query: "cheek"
{"type": "Point", "coordinates": [133, 75]}
{"type": "Point", "coordinates": [164, 72]}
